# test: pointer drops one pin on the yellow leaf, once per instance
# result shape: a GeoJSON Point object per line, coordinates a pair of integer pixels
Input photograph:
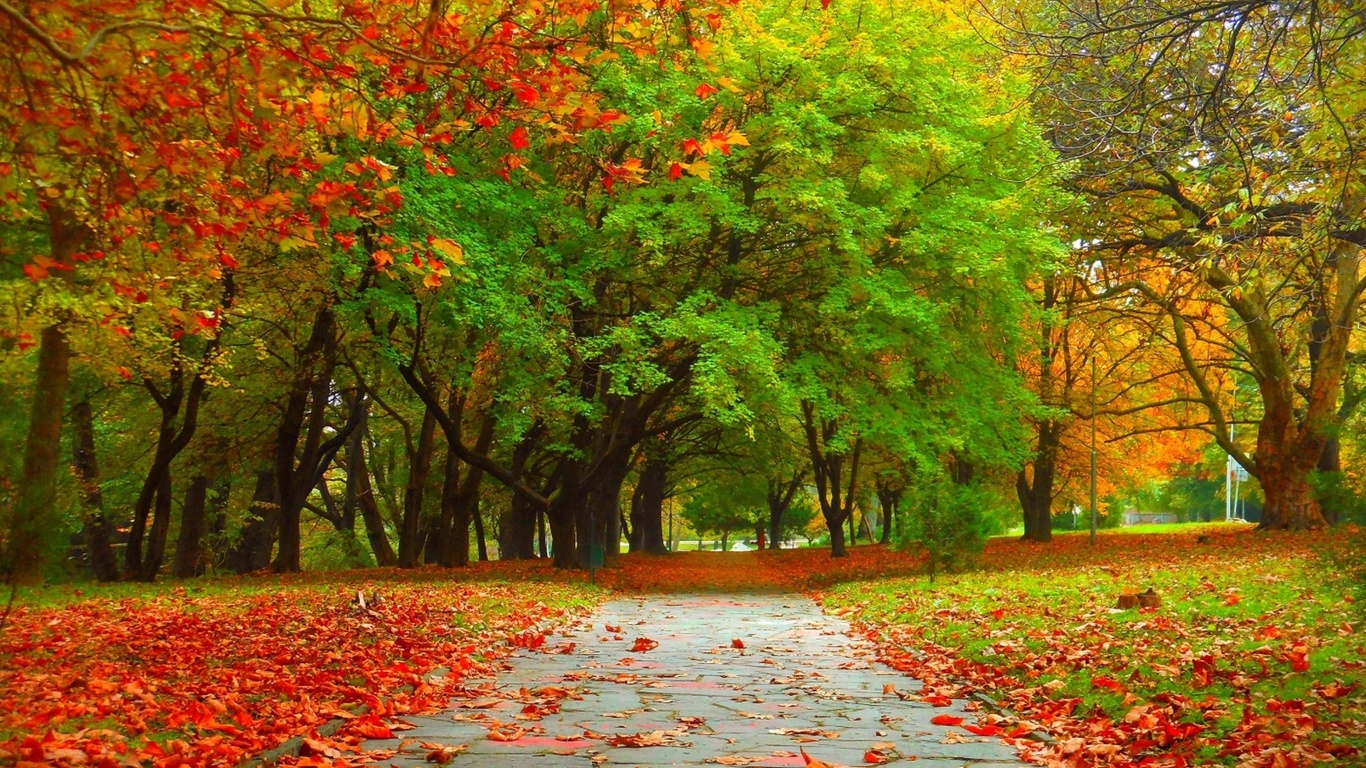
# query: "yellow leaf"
{"type": "Point", "coordinates": [450, 249]}
{"type": "Point", "coordinates": [737, 139]}
{"type": "Point", "coordinates": [432, 280]}
{"type": "Point", "coordinates": [728, 84]}
{"type": "Point", "coordinates": [701, 169]}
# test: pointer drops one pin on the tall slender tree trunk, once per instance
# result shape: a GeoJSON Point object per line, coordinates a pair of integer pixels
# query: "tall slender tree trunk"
{"type": "Point", "coordinates": [156, 535]}
{"type": "Point", "coordinates": [95, 528]}
{"type": "Point", "coordinates": [888, 500]}
{"type": "Point", "coordinates": [414, 493]}
{"type": "Point", "coordinates": [34, 517]}
{"type": "Point", "coordinates": [361, 493]}
{"type": "Point", "coordinates": [189, 560]}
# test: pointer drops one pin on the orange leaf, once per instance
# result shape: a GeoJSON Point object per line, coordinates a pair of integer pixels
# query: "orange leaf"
{"type": "Point", "coordinates": [946, 720]}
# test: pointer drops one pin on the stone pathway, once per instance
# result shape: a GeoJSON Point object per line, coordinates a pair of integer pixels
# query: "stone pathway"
{"type": "Point", "coordinates": [731, 681]}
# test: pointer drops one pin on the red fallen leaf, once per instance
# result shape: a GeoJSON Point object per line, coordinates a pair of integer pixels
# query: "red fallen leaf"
{"type": "Point", "coordinates": [1101, 681]}
{"type": "Point", "coordinates": [998, 613]}
{"type": "Point", "coordinates": [612, 629]}
{"type": "Point", "coordinates": [506, 734]}
{"type": "Point", "coordinates": [872, 757]}
{"type": "Point", "coordinates": [317, 747]}
{"type": "Point", "coordinates": [375, 731]}
{"type": "Point", "coordinates": [737, 643]}
{"type": "Point", "coordinates": [982, 730]}
{"type": "Point", "coordinates": [937, 701]}
{"type": "Point", "coordinates": [1231, 600]}
{"type": "Point", "coordinates": [1336, 690]}
{"type": "Point", "coordinates": [644, 644]}
{"type": "Point", "coordinates": [946, 720]}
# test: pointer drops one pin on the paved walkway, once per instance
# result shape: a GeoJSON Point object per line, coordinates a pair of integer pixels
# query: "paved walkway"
{"type": "Point", "coordinates": [731, 681]}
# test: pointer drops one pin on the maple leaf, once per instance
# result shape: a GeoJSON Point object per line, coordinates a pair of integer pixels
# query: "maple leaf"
{"type": "Point", "coordinates": [675, 171]}
{"type": "Point", "coordinates": [519, 139]}
{"type": "Point", "coordinates": [946, 720]}
{"type": "Point", "coordinates": [737, 643]}
{"type": "Point", "coordinates": [705, 91]}
{"type": "Point", "coordinates": [644, 644]}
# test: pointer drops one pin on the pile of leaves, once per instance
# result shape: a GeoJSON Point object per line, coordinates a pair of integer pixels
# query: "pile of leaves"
{"type": "Point", "coordinates": [214, 674]}
{"type": "Point", "coordinates": [1254, 657]}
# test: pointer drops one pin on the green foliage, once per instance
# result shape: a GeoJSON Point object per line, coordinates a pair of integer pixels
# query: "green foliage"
{"type": "Point", "coordinates": [946, 520]}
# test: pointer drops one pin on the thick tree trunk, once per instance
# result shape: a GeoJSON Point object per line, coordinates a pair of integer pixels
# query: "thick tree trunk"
{"type": "Point", "coordinates": [604, 502]}
{"type": "Point", "coordinates": [517, 530]}
{"type": "Point", "coordinates": [1290, 500]}
{"type": "Point", "coordinates": [566, 510]}
{"type": "Point", "coordinates": [836, 526]}
{"type": "Point", "coordinates": [95, 528]}
{"type": "Point", "coordinates": [253, 549]}
{"type": "Point", "coordinates": [34, 519]}
{"type": "Point", "coordinates": [1036, 494]}
{"type": "Point", "coordinates": [647, 508]}
{"type": "Point", "coordinates": [189, 561]}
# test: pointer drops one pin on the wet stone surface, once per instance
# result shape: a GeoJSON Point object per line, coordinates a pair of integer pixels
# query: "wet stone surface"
{"type": "Point", "coordinates": [732, 681]}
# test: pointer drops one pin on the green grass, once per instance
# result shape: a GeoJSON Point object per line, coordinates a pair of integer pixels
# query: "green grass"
{"type": "Point", "coordinates": [1244, 599]}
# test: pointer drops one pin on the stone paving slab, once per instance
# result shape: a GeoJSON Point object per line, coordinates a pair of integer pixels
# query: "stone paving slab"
{"type": "Point", "coordinates": [799, 681]}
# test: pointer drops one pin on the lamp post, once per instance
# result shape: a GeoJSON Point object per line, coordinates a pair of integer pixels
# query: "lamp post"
{"type": "Point", "coordinates": [1093, 450]}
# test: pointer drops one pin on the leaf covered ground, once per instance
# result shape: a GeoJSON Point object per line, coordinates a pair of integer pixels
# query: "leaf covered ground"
{"type": "Point", "coordinates": [223, 670]}
{"type": "Point", "coordinates": [1254, 658]}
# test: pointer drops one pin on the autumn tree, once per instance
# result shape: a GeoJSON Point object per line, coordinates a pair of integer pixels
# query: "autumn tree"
{"type": "Point", "coordinates": [1221, 143]}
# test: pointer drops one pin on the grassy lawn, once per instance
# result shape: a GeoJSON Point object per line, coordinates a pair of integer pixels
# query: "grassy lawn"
{"type": "Point", "coordinates": [217, 670]}
{"type": "Point", "coordinates": [1255, 656]}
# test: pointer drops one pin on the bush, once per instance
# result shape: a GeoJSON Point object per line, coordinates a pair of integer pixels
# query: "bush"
{"type": "Point", "coordinates": [947, 521]}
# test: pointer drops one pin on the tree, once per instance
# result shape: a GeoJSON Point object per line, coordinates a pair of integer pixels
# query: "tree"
{"type": "Point", "coordinates": [945, 519]}
{"type": "Point", "coordinates": [1220, 142]}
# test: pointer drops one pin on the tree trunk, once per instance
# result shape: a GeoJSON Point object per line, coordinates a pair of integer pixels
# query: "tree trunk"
{"type": "Point", "coordinates": [888, 499]}
{"type": "Point", "coordinates": [252, 552]}
{"type": "Point", "coordinates": [419, 468]}
{"type": "Point", "coordinates": [95, 528]}
{"type": "Point", "coordinates": [1036, 494]}
{"type": "Point", "coordinates": [33, 523]}
{"type": "Point", "coordinates": [647, 508]}
{"type": "Point", "coordinates": [541, 534]}
{"type": "Point", "coordinates": [1290, 500]}
{"type": "Point", "coordinates": [836, 526]}
{"type": "Point", "coordinates": [361, 493]}
{"type": "Point", "coordinates": [481, 544]}
{"type": "Point", "coordinates": [156, 535]}
{"type": "Point", "coordinates": [566, 510]}
{"type": "Point", "coordinates": [1330, 463]}
{"type": "Point", "coordinates": [454, 530]}
{"type": "Point", "coordinates": [193, 519]}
